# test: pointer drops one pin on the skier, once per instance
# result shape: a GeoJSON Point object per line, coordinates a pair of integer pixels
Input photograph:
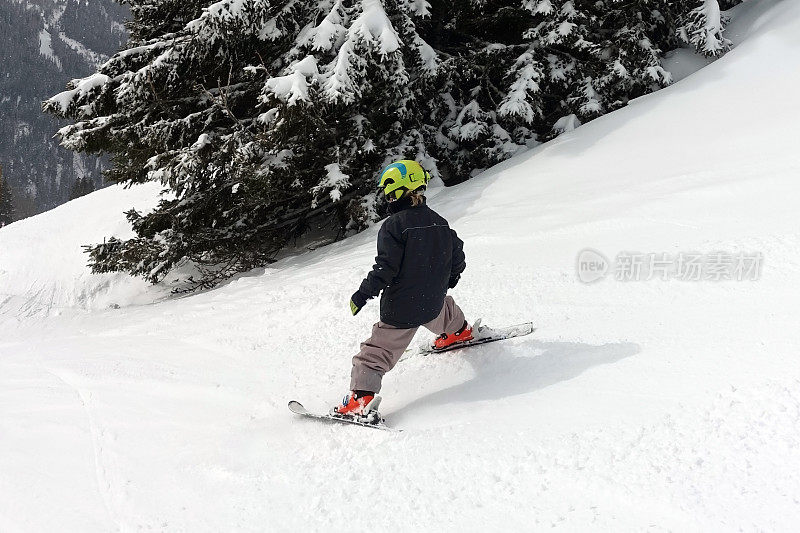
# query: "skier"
{"type": "Point", "coordinates": [419, 258]}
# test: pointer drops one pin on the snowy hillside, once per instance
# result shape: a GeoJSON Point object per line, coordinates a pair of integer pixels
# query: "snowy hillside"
{"type": "Point", "coordinates": [650, 404]}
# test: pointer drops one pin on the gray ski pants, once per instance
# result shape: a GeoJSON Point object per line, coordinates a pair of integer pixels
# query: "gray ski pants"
{"type": "Point", "coordinates": [383, 349]}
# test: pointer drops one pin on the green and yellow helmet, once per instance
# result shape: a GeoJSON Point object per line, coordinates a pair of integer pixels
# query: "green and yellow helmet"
{"type": "Point", "coordinates": [402, 176]}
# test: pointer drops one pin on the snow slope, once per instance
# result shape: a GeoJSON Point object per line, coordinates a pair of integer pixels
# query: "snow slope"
{"type": "Point", "coordinates": [42, 265]}
{"type": "Point", "coordinates": [661, 405]}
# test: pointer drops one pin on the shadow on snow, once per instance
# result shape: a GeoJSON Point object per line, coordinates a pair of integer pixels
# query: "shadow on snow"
{"type": "Point", "coordinates": [505, 371]}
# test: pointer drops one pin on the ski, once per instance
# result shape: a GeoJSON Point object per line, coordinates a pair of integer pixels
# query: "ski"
{"type": "Point", "coordinates": [484, 335]}
{"type": "Point", "coordinates": [298, 409]}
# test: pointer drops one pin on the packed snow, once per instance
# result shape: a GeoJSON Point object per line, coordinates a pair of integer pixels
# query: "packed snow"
{"type": "Point", "coordinates": [650, 404]}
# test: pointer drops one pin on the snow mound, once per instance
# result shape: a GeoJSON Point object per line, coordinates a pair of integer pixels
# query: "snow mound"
{"type": "Point", "coordinates": [42, 265]}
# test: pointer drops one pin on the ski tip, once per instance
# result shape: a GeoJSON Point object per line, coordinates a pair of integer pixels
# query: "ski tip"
{"type": "Point", "coordinates": [297, 407]}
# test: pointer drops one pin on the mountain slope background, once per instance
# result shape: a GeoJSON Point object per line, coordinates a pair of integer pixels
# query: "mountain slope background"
{"type": "Point", "coordinates": [44, 44]}
{"type": "Point", "coordinates": [641, 404]}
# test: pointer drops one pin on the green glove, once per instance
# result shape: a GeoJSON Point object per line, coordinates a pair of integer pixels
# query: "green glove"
{"type": "Point", "coordinates": [357, 301]}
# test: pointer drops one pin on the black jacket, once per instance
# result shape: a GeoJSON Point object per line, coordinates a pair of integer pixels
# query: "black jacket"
{"type": "Point", "coordinates": [419, 257]}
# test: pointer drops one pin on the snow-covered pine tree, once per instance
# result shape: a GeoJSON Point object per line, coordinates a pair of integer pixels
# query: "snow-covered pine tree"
{"type": "Point", "coordinates": [6, 207]}
{"type": "Point", "coordinates": [635, 34]}
{"type": "Point", "coordinates": [261, 119]}
{"type": "Point", "coordinates": [475, 41]}
{"type": "Point", "coordinates": [584, 59]}
{"type": "Point", "coordinates": [348, 98]}
{"type": "Point", "coordinates": [703, 26]}
{"type": "Point", "coordinates": [174, 107]}
{"type": "Point", "coordinates": [265, 119]}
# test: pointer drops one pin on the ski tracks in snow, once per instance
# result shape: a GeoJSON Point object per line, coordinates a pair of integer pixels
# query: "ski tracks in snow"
{"type": "Point", "coordinates": [693, 469]}
{"type": "Point", "coordinates": [108, 485]}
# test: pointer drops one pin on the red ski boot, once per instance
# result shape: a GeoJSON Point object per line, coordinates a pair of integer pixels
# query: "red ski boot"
{"type": "Point", "coordinates": [444, 340]}
{"type": "Point", "coordinates": [360, 405]}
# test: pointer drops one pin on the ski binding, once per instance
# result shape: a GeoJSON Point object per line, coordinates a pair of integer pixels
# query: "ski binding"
{"type": "Point", "coordinates": [371, 420]}
{"type": "Point", "coordinates": [484, 335]}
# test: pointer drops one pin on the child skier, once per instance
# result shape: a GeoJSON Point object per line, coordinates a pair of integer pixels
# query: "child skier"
{"type": "Point", "coordinates": [419, 258]}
